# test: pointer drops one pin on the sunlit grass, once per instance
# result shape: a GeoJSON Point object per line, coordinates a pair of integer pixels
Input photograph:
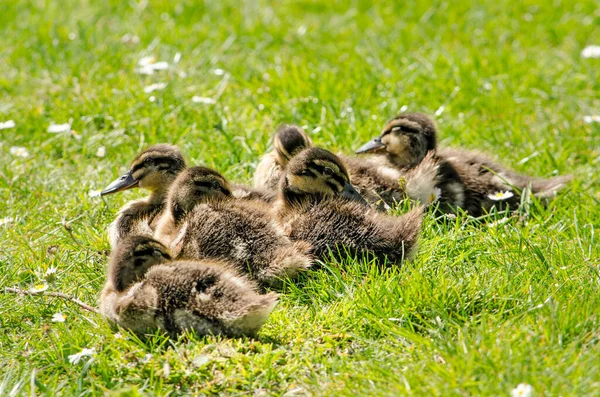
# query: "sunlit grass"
{"type": "Point", "coordinates": [482, 308]}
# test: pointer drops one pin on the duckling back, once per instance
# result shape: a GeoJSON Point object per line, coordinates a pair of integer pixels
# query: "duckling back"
{"type": "Point", "coordinates": [244, 234]}
{"type": "Point", "coordinates": [203, 220]}
{"type": "Point", "coordinates": [146, 291]}
{"type": "Point", "coordinates": [202, 297]}
{"type": "Point", "coordinates": [339, 226]}
{"type": "Point", "coordinates": [316, 204]}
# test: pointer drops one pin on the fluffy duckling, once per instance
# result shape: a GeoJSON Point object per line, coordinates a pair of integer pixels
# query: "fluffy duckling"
{"type": "Point", "coordinates": [464, 179]}
{"type": "Point", "coordinates": [287, 141]}
{"type": "Point", "coordinates": [376, 182]}
{"type": "Point", "coordinates": [154, 169]}
{"type": "Point", "coordinates": [318, 204]}
{"type": "Point", "coordinates": [147, 291]}
{"type": "Point", "coordinates": [204, 220]}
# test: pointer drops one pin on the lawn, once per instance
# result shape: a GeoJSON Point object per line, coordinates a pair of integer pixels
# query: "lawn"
{"type": "Point", "coordinates": [482, 307]}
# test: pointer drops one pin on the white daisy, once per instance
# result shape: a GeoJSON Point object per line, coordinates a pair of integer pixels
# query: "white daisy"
{"type": "Point", "coordinates": [591, 119]}
{"type": "Point", "coordinates": [6, 221]}
{"type": "Point", "coordinates": [204, 100]}
{"type": "Point", "coordinates": [522, 390]}
{"type": "Point", "coordinates": [148, 65]}
{"type": "Point", "coordinates": [130, 39]}
{"type": "Point", "coordinates": [146, 358]}
{"type": "Point", "coordinates": [50, 272]}
{"type": "Point", "coordinates": [19, 151]}
{"type": "Point", "coordinates": [591, 51]}
{"type": "Point", "coordinates": [38, 288]}
{"type": "Point", "coordinates": [75, 358]}
{"type": "Point", "coordinates": [435, 195]}
{"type": "Point", "coordinates": [160, 65]}
{"type": "Point", "coordinates": [498, 222]}
{"type": "Point", "coordinates": [166, 369]}
{"type": "Point", "coordinates": [499, 196]}
{"type": "Point", "coordinates": [58, 128]}
{"type": "Point", "coordinates": [154, 87]}
{"type": "Point", "coordinates": [101, 152]}
{"type": "Point", "coordinates": [7, 124]}
{"type": "Point", "coordinates": [219, 72]}
{"type": "Point", "coordinates": [145, 61]}
{"type": "Point", "coordinates": [58, 318]}
{"type": "Point", "coordinates": [118, 335]}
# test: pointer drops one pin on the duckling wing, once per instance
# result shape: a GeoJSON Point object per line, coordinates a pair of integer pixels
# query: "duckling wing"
{"type": "Point", "coordinates": [209, 299]}
{"type": "Point", "coordinates": [340, 227]}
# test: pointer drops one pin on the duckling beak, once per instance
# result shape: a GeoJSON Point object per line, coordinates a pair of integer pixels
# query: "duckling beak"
{"type": "Point", "coordinates": [373, 145]}
{"type": "Point", "coordinates": [127, 181]}
{"type": "Point", "coordinates": [348, 192]}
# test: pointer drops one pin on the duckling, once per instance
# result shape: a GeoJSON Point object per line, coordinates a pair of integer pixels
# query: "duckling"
{"type": "Point", "coordinates": [204, 220]}
{"type": "Point", "coordinates": [147, 291]}
{"type": "Point", "coordinates": [377, 183]}
{"type": "Point", "coordinates": [318, 204]}
{"type": "Point", "coordinates": [287, 141]}
{"type": "Point", "coordinates": [154, 169]}
{"type": "Point", "coordinates": [464, 179]}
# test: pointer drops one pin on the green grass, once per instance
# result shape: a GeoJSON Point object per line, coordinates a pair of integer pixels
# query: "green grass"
{"type": "Point", "coordinates": [480, 310]}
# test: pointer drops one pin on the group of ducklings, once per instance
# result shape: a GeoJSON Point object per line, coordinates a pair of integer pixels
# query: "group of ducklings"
{"type": "Point", "coordinates": [199, 252]}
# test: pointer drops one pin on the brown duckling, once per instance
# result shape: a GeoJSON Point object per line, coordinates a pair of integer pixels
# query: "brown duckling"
{"type": "Point", "coordinates": [318, 204]}
{"type": "Point", "coordinates": [375, 181]}
{"type": "Point", "coordinates": [154, 169]}
{"type": "Point", "coordinates": [466, 179]}
{"type": "Point", "coordinates": [287, 141]}
{"type": "Point", "coordinates": [204, 220]}
{"type": "Point", "coordinates": [147, 291]}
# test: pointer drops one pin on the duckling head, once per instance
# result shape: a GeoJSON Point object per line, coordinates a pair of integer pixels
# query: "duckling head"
{"type": "Point", "coordinates": [154, 169]}
{"type": "Point", "coordinates": [196, 185]}
{"type": "Point", "coordinates": [288, 141]}
{"type": "Point", "coordinates": [405, 140]}
{"type": "Point", "coordinates": [314, 174]}
{"type": "Point", "coordinates": [132, 258]}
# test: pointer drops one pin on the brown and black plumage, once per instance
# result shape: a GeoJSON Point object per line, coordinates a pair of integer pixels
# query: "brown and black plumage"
{"type": "Point", "coordinates": [203, 220]}
{"type": "Point", "coordinates": [147, 291]}
{"type": "Point", "coordinates": [287, 141]}
{"type": "Point", "coordinates": [465, 179]}
{"type": "Point", "coordinates": [377, 182]}
{"type": "Point", "coordinates": [154, 169]}
{"type": "Point", "coordinates": [318, 204]}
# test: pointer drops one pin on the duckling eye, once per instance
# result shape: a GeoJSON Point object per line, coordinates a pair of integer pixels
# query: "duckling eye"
{"type": "Point", "coordinates": [328, 171]}
{"type": "Point", "coordinates": [149, 161]}
{"type": "Point", "coordinates": [138, 262]}
{"type": "Point", "coordinates": [215, 185]}
{"type": "Point", "coordinates": [157, 253]}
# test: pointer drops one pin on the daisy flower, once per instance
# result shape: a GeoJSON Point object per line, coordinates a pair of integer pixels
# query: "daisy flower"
{"type": "Point", "coordinates": [154, 87]}
{"type": "Point", "coordinates": [58, 128]}
{"type": "Point", "coordinates": [50, 273]}
{"type": "Point", "coordinates": [591, 51]}
{"type": "Point", "coordinates": [203, 100]}
{"type": "Point", "coordinates": [522, 390]}
{"type": "Point", "coordinates": [6, 221]}
{"type": "Point", "coordinates": [498, 196]}
{"type": "Point", "coordinates": [58, 318]}
{"type": "Point", "coordinates": [101, 152]}
{"type": "Point", "coordinates": [7, 124]}
{"type": "Point", "coordinates": [435, 195]}
{"type": "Point", "coordinates": [75, 358]}
{"type": "Point", "coordinates": [39, 288]}
{"type": "Point", "coordinates": [19, 151]}
{"type": "Point", "coordinates": [591, 119]}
